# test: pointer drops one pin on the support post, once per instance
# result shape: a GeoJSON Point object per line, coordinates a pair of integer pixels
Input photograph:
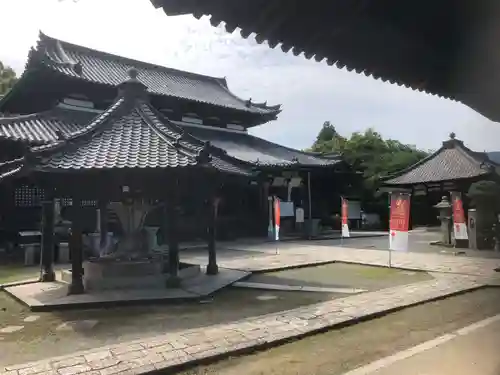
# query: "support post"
{"type": "Point", "coordinates": [309, 213]}
{"type": "Point", "coordinates": [103, 223]}
{"type": "Point", "coordinates": [173, 279]}
{"type": "Point", "coordinates": [76, 249]}
{"type": "Point", "coordinates": [48, 240]}
{"type": "Point", "coordinates": [212, 267]}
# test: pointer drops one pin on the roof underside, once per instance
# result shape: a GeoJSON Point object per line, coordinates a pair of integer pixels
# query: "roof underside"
{"type": "Point", "coordinates": [450, 163]}
{"type": "Point", "coordinates": [103, 68]}
{"type": "Point", "coordinates": [446, 47]}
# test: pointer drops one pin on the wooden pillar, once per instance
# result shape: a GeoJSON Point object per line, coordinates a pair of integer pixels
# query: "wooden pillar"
{"type": "Point", "coordinates": [103, 222]}
{"type": "Point", "coordinates": [172, 211]}
{"type": "Point", "coordinates": [212, 267]}
{"type": "Point", "coordinates": [76, 249]}
{"type": "Point", "coordinates": [48, 240]}
{"type": "Point", "coordinates": [309, 207]}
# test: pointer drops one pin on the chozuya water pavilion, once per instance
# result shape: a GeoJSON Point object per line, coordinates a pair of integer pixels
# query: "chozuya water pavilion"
{"type": "Point", "coordinates": [144, 146]}
{"type": "Point", "coordinates": [130, 154]}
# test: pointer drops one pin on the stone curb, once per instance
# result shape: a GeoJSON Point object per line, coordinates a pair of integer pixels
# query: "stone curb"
{"type": "Point", "coordinates": [18, 283]}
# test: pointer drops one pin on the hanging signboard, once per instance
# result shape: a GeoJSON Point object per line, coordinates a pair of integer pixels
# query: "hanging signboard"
{"type": "Point", "coordinates": [345, 217]}
{"type": "Point", "coordinates": [459, 224]}
{"type": "Point", "coordinates": [277, 218]}
{"type": "Point", "coordinates": [399, 221]}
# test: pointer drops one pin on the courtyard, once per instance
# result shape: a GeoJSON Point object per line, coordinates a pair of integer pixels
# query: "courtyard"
{"type": "Point", "coordinates": [27, 335]}
{"type": "Point", "coordinates": [309, 285]}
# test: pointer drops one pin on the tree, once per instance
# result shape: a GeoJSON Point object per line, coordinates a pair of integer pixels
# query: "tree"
{"type": "Point", "coordinates": [7, 78]}
{"type": "Point", "coordinates": [368, 152]}
{"type": "Point", "coordinates": [328, 140]}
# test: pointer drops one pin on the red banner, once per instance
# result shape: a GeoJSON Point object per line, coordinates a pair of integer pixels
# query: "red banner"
{"type": "Point", "coordinates": [400, 212]}
{"type": "Point", "coordinates": [345, 211]}
{"type": "Point", "coordinates": [459, 226]}
{"type": "Point", "coordinates": [458, 208]}
{"type": "Point", "coordinates": [277, 218]}
{"type": "Point", "coordinates": [277, 212]}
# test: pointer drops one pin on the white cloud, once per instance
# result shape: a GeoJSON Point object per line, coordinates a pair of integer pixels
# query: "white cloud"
{"type": "Point", "coordinates": [310, 92]}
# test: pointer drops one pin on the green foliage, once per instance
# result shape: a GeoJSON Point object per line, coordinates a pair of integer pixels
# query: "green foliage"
{"type": "Point", "coordinates": [485, 194]}
{"type": "Point", "coordinates": [368, 152]}
{"type": "Point", "coordinates": [7, 78]}
{"type": "Point", "coordinates": [328, 140]}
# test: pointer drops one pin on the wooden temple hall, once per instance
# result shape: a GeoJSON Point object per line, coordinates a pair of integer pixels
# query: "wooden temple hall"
{"type": "Point", "coordinates": [123, 156]}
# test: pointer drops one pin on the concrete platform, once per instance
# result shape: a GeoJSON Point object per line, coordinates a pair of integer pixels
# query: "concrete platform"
{"type": "Point", "coordinates": [53, 296]}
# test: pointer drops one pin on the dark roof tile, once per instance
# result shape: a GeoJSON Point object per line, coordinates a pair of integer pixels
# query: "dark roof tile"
{"type": "Point", "coordinates": [100, 67]}
{"type": "Point", "coordinates": [43, 127]}
{"type": "Point", "coordinates": [451, 162]}
{"type": "Point", "coordinates": [130, 134]}
{"type": "Point", "coordinates": [257, 151]}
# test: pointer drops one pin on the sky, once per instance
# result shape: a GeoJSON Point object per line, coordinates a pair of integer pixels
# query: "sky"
{"type": "Point", "coordinates": [310, 92]}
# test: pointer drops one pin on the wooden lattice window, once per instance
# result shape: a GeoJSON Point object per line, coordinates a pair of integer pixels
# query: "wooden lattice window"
{"type": "Point", "coordinates": [89, 203]}
{"type": "Point", "coordinates": [28, 196]}
{"type": "Point", "coordinates": [67, 202]}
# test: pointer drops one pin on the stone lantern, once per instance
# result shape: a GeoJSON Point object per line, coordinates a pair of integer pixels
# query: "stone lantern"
{"type": "Point", "coordinates": [444, 208]}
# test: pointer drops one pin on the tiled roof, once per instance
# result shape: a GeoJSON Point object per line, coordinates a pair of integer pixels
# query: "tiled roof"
{"type": "Point", "coordinates": [43, 127]}
{"type": "Point", "coordinates": [257, 151]}
{"type": "Point", "coordinates": [104, 68]}
{"type": "Point", "coordinates": [453, 161]}
{"type": "Point", "coordinates": [50, 126]}
{"type": "Point", "coordinates": [130, 134]}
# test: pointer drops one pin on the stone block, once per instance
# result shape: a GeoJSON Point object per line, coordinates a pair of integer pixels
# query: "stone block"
{"type": "Point", "coordinates": [29, 254]}
{"type": "Point", "coordinates": [63, 253]}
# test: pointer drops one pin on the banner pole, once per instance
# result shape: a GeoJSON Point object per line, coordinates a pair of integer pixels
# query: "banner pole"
{"type": "Point", "coordinates": [390, 232]}
{"type": "Point", "coordinates": [341, 221]}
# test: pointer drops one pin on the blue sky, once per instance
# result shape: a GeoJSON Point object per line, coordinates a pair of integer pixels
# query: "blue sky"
{"type": "Point", "coordinates": [310, 92]}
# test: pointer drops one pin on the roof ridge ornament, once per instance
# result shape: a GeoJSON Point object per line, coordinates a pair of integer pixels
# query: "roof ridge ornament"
{"type": "Point", "coordinates": [132, 88]}
{"type": "Point", "coordinates": [453, 135]}
{"type": "Point", "coordinates": [66, 60]}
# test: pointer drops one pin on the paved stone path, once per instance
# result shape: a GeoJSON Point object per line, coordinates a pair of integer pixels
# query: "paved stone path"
{"type": "Point", "coordinates": [164, 351]}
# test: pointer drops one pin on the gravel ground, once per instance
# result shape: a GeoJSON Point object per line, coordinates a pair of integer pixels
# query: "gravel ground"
{"type": "Point", "coordinates": [57, 333]}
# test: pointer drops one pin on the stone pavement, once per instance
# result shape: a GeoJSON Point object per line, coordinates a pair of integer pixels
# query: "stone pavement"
{"type": "Point", "coordinates": [173, 349]}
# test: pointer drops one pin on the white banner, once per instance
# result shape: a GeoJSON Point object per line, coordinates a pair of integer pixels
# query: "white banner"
{"type": "Point", "coordinates": [398, 241]}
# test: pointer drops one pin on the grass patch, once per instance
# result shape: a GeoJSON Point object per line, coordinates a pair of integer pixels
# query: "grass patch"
{"type": "Point", "coordinates": [342, 275]}
{"type": "Point", "coordinates": [15, 272]}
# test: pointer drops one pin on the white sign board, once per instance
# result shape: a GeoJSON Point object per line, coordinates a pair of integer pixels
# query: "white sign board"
{"type": "Point", "coordinates": [287, 209]}
{"type": "Point", "coordinates": [354, 210]}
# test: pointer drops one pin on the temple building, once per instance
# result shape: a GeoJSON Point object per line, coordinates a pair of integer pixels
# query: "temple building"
{"type": "Point", "coordinates": [114, 127]}
{"type": "Point", "coordinates": [453, 167]}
